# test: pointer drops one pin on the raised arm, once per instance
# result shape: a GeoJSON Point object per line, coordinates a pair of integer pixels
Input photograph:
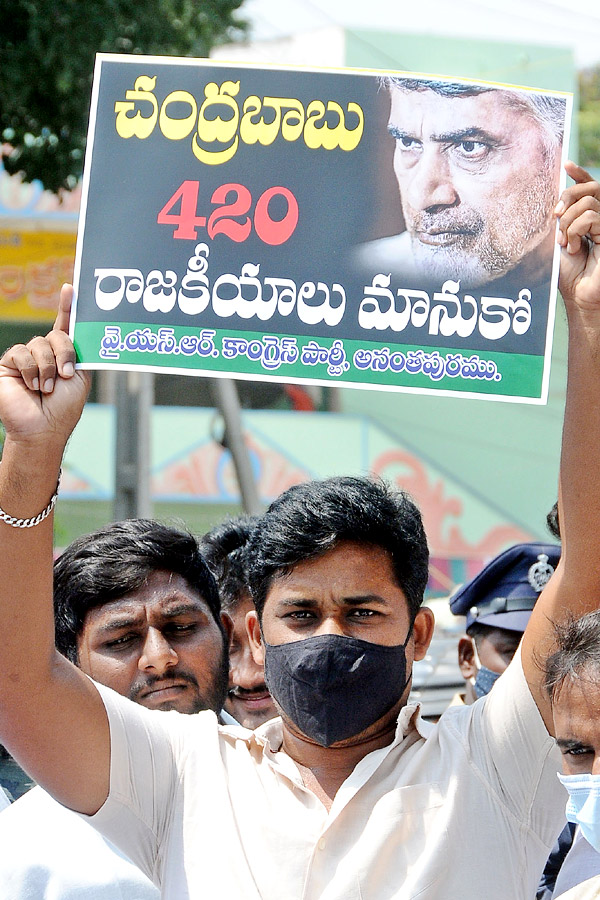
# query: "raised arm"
{"type": "Point", "coordinates": [51, 716]}
{"type": "Point", "coordinates": [575, 587]}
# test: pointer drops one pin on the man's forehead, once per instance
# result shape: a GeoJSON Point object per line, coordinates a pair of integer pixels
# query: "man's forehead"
{"type": "Point", "coordinates": [172, 599]}
{"type": "Point", "coordinates": [349, 570]}
{"type": "Point", "coordinates": [463, 110]}
{"type": "Point", "coordinates": [577, 702]}
{"type": "Point", "coordinates": [574, 725]}
{"type": "Point", "coordinates": [502, 636]}
{"type": "Point", "coordinates": [309, 600]}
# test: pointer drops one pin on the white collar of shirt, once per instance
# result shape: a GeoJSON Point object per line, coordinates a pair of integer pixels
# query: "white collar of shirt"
{"type": "Point", "coordinates": [270, 734]}
{"type": "Point", "coordinates": [270, 737]}
{"type": "Point", "coordinates": [226, 719]}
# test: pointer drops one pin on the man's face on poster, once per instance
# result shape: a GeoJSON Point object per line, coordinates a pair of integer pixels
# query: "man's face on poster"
{"type": "Point", "coordinates": [477, 177]}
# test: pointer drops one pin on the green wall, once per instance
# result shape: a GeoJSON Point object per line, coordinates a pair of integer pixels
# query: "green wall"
{"type": "Point", "coordinates": [508, 454]}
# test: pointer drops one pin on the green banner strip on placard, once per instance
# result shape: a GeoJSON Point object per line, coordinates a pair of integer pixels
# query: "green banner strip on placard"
{"type": "Point", "coordinates": [288, 357]}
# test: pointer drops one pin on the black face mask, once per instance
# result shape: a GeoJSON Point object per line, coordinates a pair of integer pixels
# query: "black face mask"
{"type": "Point", "coordinates": [333, 687]}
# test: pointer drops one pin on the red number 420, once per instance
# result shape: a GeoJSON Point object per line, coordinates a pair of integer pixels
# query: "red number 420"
{"type": "Point", "coordinates": [234, 200]}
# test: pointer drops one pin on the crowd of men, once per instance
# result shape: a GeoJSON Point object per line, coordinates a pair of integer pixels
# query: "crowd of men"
{"type": "Point", "coordinates": [301, 768]}
{"type": "Point", "coordinates": [137, 608]}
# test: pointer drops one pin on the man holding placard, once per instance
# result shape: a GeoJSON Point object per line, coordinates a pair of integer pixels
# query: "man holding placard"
{"type": "Point", "coordinates": [350, 794]}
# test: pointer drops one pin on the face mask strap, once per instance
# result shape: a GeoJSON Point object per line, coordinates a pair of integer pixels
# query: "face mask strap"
{"type": "Point", "coordinates": [482, 682]}
{"type": "Point", "coordinates": [477, 660]}
{"type": "Point", "coordinates": [410, 631]}
{"type": "Point", "coordinates": [404, 645]}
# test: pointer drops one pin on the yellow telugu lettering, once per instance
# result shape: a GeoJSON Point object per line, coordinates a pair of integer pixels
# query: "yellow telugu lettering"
{"type": "Point", "coordinates": [176, 129]}
{"type": "Point", "coordinates": [138, 125]}
{"type": "Point", "coordinates": [217, 128]}
{"type": "Point", "coordinates": [218, 120]}
{"type": "Point", "coordinates": [317, 133]}
{"type": "Point", "coordinates": [266, 132]}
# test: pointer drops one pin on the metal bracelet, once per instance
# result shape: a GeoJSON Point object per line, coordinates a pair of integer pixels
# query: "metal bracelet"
{"type": "Point", "coordinates": [35, 520]}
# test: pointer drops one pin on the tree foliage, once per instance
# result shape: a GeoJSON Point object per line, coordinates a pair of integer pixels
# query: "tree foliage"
{"type": "Point", "coordinates": [589, 117]}
{"type": "Point", "coordinates": [47, 50]}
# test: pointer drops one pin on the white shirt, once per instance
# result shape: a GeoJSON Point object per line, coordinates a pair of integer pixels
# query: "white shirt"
{"type": "Point", "coordinates": [4, 799]}
{"type": "Point", "coordinates": [468, 808]}
{"type": "Point", "coordinates": [587, 890]}
{"type": "Point", "coordinates": [48, 852]}
{"type": "Point", "coordinates": [581, 864]}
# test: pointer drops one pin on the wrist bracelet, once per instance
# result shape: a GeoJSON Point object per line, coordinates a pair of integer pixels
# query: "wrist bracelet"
{"type": "Point", "coordinates": [35, 520]}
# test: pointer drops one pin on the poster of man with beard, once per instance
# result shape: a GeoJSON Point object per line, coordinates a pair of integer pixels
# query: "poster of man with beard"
{"type": "Point", "coordinates": [477, 169]}
{"type": "Point", "coordinates": [348, 227]}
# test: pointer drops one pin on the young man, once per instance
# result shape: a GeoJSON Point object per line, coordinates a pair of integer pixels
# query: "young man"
{"type": "Point", "coordinates": [224, 549]}
{"type": "Point", "coordinates": [136, 608]}
{"type": "Point", "coordinates": [344, 797]}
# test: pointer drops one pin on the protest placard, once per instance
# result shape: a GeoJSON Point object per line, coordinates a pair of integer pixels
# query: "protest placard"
{"type": "Point", "coordinates": [339, 227]}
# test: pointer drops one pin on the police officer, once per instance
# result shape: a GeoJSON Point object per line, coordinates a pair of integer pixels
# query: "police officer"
{"type": "Point", "coordinates": [497, 604]}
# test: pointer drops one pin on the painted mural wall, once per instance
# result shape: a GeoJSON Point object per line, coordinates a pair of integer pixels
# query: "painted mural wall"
{"type": "Point", "coordinates": [286, 448]}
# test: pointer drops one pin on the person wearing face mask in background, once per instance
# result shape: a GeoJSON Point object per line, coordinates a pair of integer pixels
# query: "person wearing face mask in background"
{"type": "Point", "coordinates": [572, 676]}
{"type": "Point", "coordinates": [497, 604]}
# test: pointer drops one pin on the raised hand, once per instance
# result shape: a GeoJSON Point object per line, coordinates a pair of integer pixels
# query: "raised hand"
{"type": "Point", "coordinates": [41, 394]}
{"type": "Point", "coordinates": [579, 236]}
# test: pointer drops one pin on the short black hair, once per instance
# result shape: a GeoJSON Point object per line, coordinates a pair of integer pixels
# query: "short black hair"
{"type": "Point", "coordinates": [110, 563]}
{"type": "Point", "coordinates": [553, 522]}
{"type": "Point", "coordinates": [577, 653]}
{"type": "Point", "coordinates": [311, 518]}
{"type": "Point", "coordinates": [477, 631]}
{"type": "Point", "coordinates": [224, 549]}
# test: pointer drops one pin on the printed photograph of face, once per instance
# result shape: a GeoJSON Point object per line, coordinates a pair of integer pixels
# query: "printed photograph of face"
{"type": "Point", "coordinates": [478, 171]}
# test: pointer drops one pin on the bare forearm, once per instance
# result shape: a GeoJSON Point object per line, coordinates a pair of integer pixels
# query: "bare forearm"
{"type": "Point", "coordinates": [42, 694]}
{"type": "Point", "coordinates": [575, 587]}
{"type": "Point", "coordinates": [49, 710]}
{"type": "Point", "coordinates": [580, 464]}
{"type": "Point", "coordinates": [28, 478]}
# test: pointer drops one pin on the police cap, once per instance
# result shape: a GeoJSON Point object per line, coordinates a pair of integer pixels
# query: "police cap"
{"type": "Point", "coordinates": [505, 592]}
